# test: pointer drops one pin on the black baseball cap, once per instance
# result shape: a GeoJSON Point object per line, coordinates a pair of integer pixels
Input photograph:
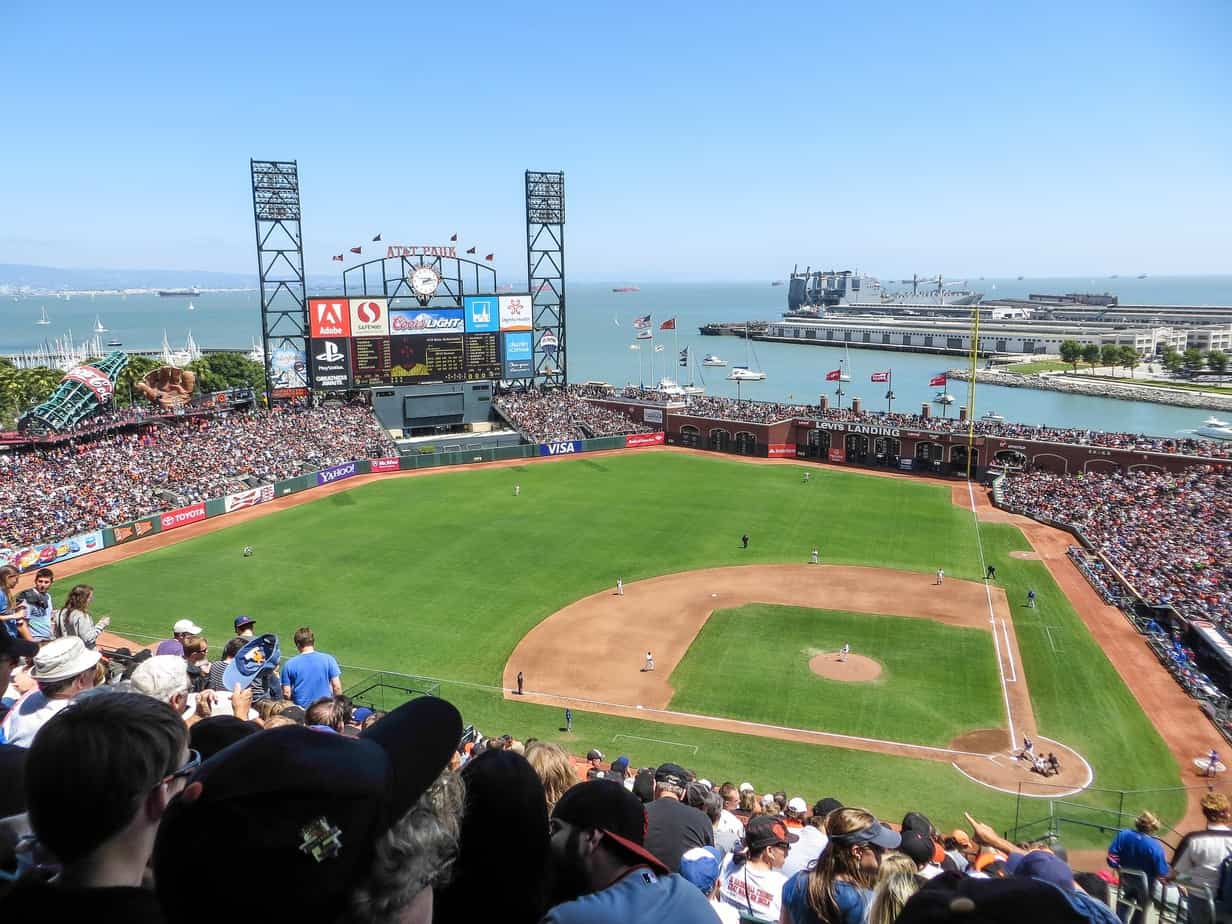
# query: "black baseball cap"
{"type": "Point", "coordinates": [672, 774]}
{"type": "Point", "coordinates": [612, 809]}
{"type": "Point", "coordinates": [241, 621]}
{"type": "Point", "coordinates": [765, 831]}
{"type": "Point", "coordinates": [304, 807]}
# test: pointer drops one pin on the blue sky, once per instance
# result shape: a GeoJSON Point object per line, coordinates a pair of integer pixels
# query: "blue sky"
{"type": "Point", "coordinates": [699, 141]}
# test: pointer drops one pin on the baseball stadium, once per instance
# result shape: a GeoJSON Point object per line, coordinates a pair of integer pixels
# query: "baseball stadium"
{"type": "Point", "coordinates": [968, 619]}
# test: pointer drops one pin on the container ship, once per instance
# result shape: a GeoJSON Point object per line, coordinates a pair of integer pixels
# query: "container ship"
{"type": "Point", "coordinates": [626, 289]}
{"type": "Point", "coordinates": [179, 293]}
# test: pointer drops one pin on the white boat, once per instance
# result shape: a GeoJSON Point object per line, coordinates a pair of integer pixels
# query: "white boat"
{"type": "Point", "coordinates": [746, 373]}
{"type": "Point", "coordinates": [98, 325]}
{"type": "Point", "coordinates": [1216, 429]}
{"type": "Point", "coordinates": [192, 307]}
{"type": "Point", "coordinates": [115, 342]}
{"type": "Point", "coordinates": [943, 397]}
{"type": "Point", "coordinates": [44, 319]}
{"type": "Point", "coordinates": [844, 365]}
{"type": "Point", "coordinates": [993, 417]}
{"type": "Point", "coordinates": [671, 387]}
{"type": "Point", "coordinates": [257, 353]}
{"type": "Point", "coordinates": [714, 362]}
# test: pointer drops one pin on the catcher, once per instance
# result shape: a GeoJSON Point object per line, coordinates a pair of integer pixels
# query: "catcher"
{"type": "Point", "coordinates": [167, 386]}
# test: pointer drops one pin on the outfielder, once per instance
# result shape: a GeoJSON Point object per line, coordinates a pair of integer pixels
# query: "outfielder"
{"type": "Point", "coordinates": [620, 587]}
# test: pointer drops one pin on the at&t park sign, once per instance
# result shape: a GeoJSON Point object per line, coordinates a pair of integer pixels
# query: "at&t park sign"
{"type": "Point", "coordinates": [857, 428]}
{"type": "Point", "coordinates": [421, 250]}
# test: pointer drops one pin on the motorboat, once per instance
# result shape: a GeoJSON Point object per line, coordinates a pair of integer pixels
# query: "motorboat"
{"type": "Point", "coordinates": [943, 397]}
{"type": "Point", "coordinates": [1216, 429]}
{"type": "Point", "coordinates": [745, 374]}
{"type": "Point", "coordinates": [113, 342]}
{"type": "Point", "coordinates": [714, 362]}
{"type": "Point", "coordinates": [671, 387]}
{"type": "Point", "coordinates": [993, 417]}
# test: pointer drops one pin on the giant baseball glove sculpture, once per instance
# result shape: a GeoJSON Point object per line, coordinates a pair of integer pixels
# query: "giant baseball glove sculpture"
{"type": "Point", "coordinates": [168, 386]}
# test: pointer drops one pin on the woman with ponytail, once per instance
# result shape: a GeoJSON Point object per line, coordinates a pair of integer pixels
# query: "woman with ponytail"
{"type": "Point", "coordinates": [838, 887]}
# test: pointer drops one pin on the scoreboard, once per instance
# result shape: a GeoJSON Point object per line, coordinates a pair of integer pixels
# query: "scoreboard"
{"type": "Point", "coordinates": [362, 342]}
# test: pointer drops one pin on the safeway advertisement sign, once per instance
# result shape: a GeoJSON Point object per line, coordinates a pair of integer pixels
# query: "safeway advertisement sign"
{"type": "Point", "coordinates": [380, 466]}
{"type": "Point", "coordinates": [248, 498]}
{"type": "Point", "coordinates": [174, 519]}
{"type": "Point", "coordinates": [636, 440]}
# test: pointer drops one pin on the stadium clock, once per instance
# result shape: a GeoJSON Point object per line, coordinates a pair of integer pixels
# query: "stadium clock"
{"type": "Point", "coordinates": [424, 280]}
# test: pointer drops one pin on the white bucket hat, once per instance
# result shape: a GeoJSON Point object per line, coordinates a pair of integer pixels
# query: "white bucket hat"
{"type": "Point", "coordinates": [186, 626]}
{"type": "Point", "coordinates": [63, 658]}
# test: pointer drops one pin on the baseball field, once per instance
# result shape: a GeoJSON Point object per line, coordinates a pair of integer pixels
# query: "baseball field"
{"type": "Point", "coordinates": [449, 576]}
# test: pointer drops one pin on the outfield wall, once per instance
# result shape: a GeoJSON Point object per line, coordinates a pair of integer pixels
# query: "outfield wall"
{"type": "Point", "coordinates": [44, 554]}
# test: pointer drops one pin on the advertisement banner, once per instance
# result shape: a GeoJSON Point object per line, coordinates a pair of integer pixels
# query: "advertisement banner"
{"type": "Point", "coordinates": [561, 448]}
{"type": "Point", "coordinates": [174, 519]}
{"type": "Point", "coordinates": [423, 321]}
{"type": "Point", "coordinates": [249, 498]}
{"type": "Point", "coordinates": [515, 312]}
{"type": "Point", "coordinates": [636, 440]}
{"type": "Point", "coordinates": [93, 379]}
{"type": "Point", "coordinates": [369, 317]}
{"type": "Point", "coordinates": [146, 526]}
{"type": "Point", "coordinates": [482, 357]}
{"type": "Point", "coordinates": [40, 556]}
{"type": "Point", "coordinates": [652, 415]}
{"type": "Point", "coordinates": [778, 450]}
{"type": "Point", "coordinates": [288, 370]}
{"type": "Point", "coordinates": [380, 466]}
{"type": "Point", "coordinates": [439, 357]}
{"type": "Point", "coordinates": [482, 313]}
{"type": "Point", "coordinates": [337, 473]}
{"type": "Point", "coordinates": [519, 355]}
{"type": "Point", "coordinates": [329, 317]}
{"type": "Point", "coordinates": [836, 455]}
{"type": "Point", "coordinates": [331, 363]}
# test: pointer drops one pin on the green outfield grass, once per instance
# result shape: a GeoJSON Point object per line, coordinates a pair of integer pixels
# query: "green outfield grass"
{"type": "Point", "coordinates": [442, 574]}
{"type": "Point", "coordinates": [937, 681]}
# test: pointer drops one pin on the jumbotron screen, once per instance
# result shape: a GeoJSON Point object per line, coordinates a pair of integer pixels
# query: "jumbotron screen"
{"type": "Point", "coordinates": [362, 342]}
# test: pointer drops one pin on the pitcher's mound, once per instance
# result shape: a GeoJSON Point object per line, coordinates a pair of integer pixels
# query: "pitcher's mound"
{"type": "Point", "coordinates": [856, 669]}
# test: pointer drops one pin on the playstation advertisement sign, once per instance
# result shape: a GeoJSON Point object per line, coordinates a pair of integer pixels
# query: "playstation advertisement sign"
{"type": "Point", "coordinates": [331, 363]}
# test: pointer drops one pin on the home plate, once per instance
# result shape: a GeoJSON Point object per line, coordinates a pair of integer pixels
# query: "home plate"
{"type": "Point", "coordinates": [714, 595]}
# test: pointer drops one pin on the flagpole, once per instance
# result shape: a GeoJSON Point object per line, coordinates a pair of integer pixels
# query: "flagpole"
{"type": "Point", "coordinates": [676, 344]}
{"type": "Point", "coordinates": [890, 392]}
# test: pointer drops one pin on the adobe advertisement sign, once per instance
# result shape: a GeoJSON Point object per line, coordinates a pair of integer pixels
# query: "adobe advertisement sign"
{"type": "Point", "coordinates": [174, 519]}
{"type": "Point", "coordinates": [329, 317]}
{"type": "Point", "coordinates": [482, 313]}
{"type": "Point", "coordinates": [369, 317]}
{"type": "Point", "coordinates": [519, 359]}
{"type": "Point", "coordinates": [516, 312]}
{"type": "Point", "coordinates": [331, 363]}
{"type": "Point", "coordinates": [637, 440]}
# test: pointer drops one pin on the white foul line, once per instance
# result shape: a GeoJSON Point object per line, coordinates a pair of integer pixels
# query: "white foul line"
{"type": "Point", "coordinates": [1009, 652]}
{"type": "Point", "coordinates": [992, 618]}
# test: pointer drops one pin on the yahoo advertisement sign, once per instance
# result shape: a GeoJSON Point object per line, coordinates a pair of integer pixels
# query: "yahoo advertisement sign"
{"type": "Point", "coordinates": [336, 473]}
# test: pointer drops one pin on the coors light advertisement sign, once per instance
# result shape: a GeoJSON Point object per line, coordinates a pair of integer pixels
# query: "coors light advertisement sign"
{"type": "Point", "coordinates": [331, 363]}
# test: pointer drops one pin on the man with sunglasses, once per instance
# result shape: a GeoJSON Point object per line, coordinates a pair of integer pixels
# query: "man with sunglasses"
{"type": "Point", "coordinates": [99, 777]}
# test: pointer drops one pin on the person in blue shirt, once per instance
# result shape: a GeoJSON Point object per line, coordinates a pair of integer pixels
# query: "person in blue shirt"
{"type": "Point", "coordinates": [311, 674]}
{"type": "Point", "coordinates": [1137, 849]}
{"type": "Point", "coordinates": [38, 605]}
{"type": "Point", "coordinates": [838, 888]}
{"type": "Point", "coordinates": [13, 616]}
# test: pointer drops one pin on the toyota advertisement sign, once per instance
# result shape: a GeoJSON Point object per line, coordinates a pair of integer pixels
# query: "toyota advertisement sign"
{"type": "Point", "coordinates": [174, 519]}
{"type": "Point", "coordinates": [331, 363]}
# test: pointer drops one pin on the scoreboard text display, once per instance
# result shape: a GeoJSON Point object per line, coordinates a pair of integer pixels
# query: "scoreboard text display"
{"type": "Point", "coordinates": [362, 342]}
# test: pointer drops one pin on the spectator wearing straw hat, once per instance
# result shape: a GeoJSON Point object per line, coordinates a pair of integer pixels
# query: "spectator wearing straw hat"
{"type": "Point", "coordinates": [63, 668]}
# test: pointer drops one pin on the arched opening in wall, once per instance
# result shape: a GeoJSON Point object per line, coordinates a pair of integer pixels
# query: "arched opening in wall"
{"type": "Point", "coordinates": [746, 443]}
{"type": "Point", "coordinates": [720, 439]}
{"type": "Point", "coordinates": [1146, 467]}
{"type": "Point", "coordinates": [1012, 460]}
{"type": "Point", "coordinates": [817, 445]}
{"type": "Point", "coordinates": [958, 460]}
{"type": "Point", "coordinates": [1101, 467]}
{"type": "Point", "coordinates": [887, 449]}
{"type": "Point", "coordinates": [690, 436]}
{"type": "Point", "coordinates": [1050, 462]}
{"type": "Point", "coordinates": [856, 445]}
{"type": "Point", "coordinates": [929, 456]}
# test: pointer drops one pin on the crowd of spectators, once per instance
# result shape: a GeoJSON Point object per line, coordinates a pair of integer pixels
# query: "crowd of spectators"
{"type": "Point", "coordinates": [562, 414]}
{"type": "Point", "coordinates": [50, 494]}
{"type": "Point", "coordinates": [1168, 534]}
{"type": "Point", "coordinates": [365, 815]}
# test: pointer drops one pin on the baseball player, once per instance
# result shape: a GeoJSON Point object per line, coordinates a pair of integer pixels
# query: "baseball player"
{"type": "Point", "coordinates": [620, 587]}
{"type": "Point", "coordinates": [248, 551]}
{"type": "Point", "coordinates": [1031, 598]}
{"type": "Point", "coordinates": [992, 573]}
{"type": "Point", "coordinates": [940, 575]}
{"type": "Point", "coordinates": [808, 476]}
{"type": "Point", "coordinates": [744, 541]}
{"type": "Point", "coordinates": [517, 489]}
{"type": "Point", "coordinates": [568, 720]}
{"type": "Point", "coordinates": [844, 651]}
{"type": "Point", "coordinates": [815, 557]}
{"type": "Point", "coordinates": [1212, 763]}
{"type": "Point", "coordinates": [519, 683]}
{"type": "Point", "coordinates": [649, 662]}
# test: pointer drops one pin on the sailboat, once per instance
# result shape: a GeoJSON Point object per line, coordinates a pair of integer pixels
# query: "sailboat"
{"type": "Point", "coordinates": [44, 320]}
{"type": "Point", "coordinates": [98, 325]}
{"type": "Point", "coordinates": [191, 307]}
{"type": "Point", "coordinates": [844, 366]}
{"type": "Point", "coordinates": [745, 373]}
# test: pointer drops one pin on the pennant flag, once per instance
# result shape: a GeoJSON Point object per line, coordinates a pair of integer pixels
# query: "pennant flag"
{"type": "Point", "coordinates": [454, 236]}
{"type": "Point", "coordinates": [834, 375]}
{"type": "Point", "coordinates": [645, 335]}
{"type": "Point", "coordinates": [490, 257]}
{"type": "Point", "coordinates": [684, 357]}
{"type": "Point", "coordinates": [375, 239]}
{"type": "Point", "coordinates": [338, 257]}
{"type": "Point", "coordinates": [937, 380]}
{"type": "Point", "coordinates": [880, 377]}
{"type": "Point", "coordinates": [642, 323]}
{"type": "Point", "coordinates": [472, 250]}
{"type": "Point", "coordinates": [659, 348]}
{"type": "Point", "coordinates": [357, 250]}
{"type": "Point", "coordinates": [669, 324]}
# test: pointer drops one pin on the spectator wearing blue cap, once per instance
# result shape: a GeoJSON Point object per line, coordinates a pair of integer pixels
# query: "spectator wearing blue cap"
{"type": "Point", "coordinates": [700, 866]}
{"type": "Point", "coordinates": [311, 674]}
{"type": "Point", "coordinates": [245, 626]}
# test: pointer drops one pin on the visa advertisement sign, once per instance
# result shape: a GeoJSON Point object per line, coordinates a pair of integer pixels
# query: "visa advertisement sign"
{"type": "Point", "coordinates": [482, 313]}
{"type": "Point", "coordinates": [561, 448]}
{"type": "Point", "coordinates": [519, 355]}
